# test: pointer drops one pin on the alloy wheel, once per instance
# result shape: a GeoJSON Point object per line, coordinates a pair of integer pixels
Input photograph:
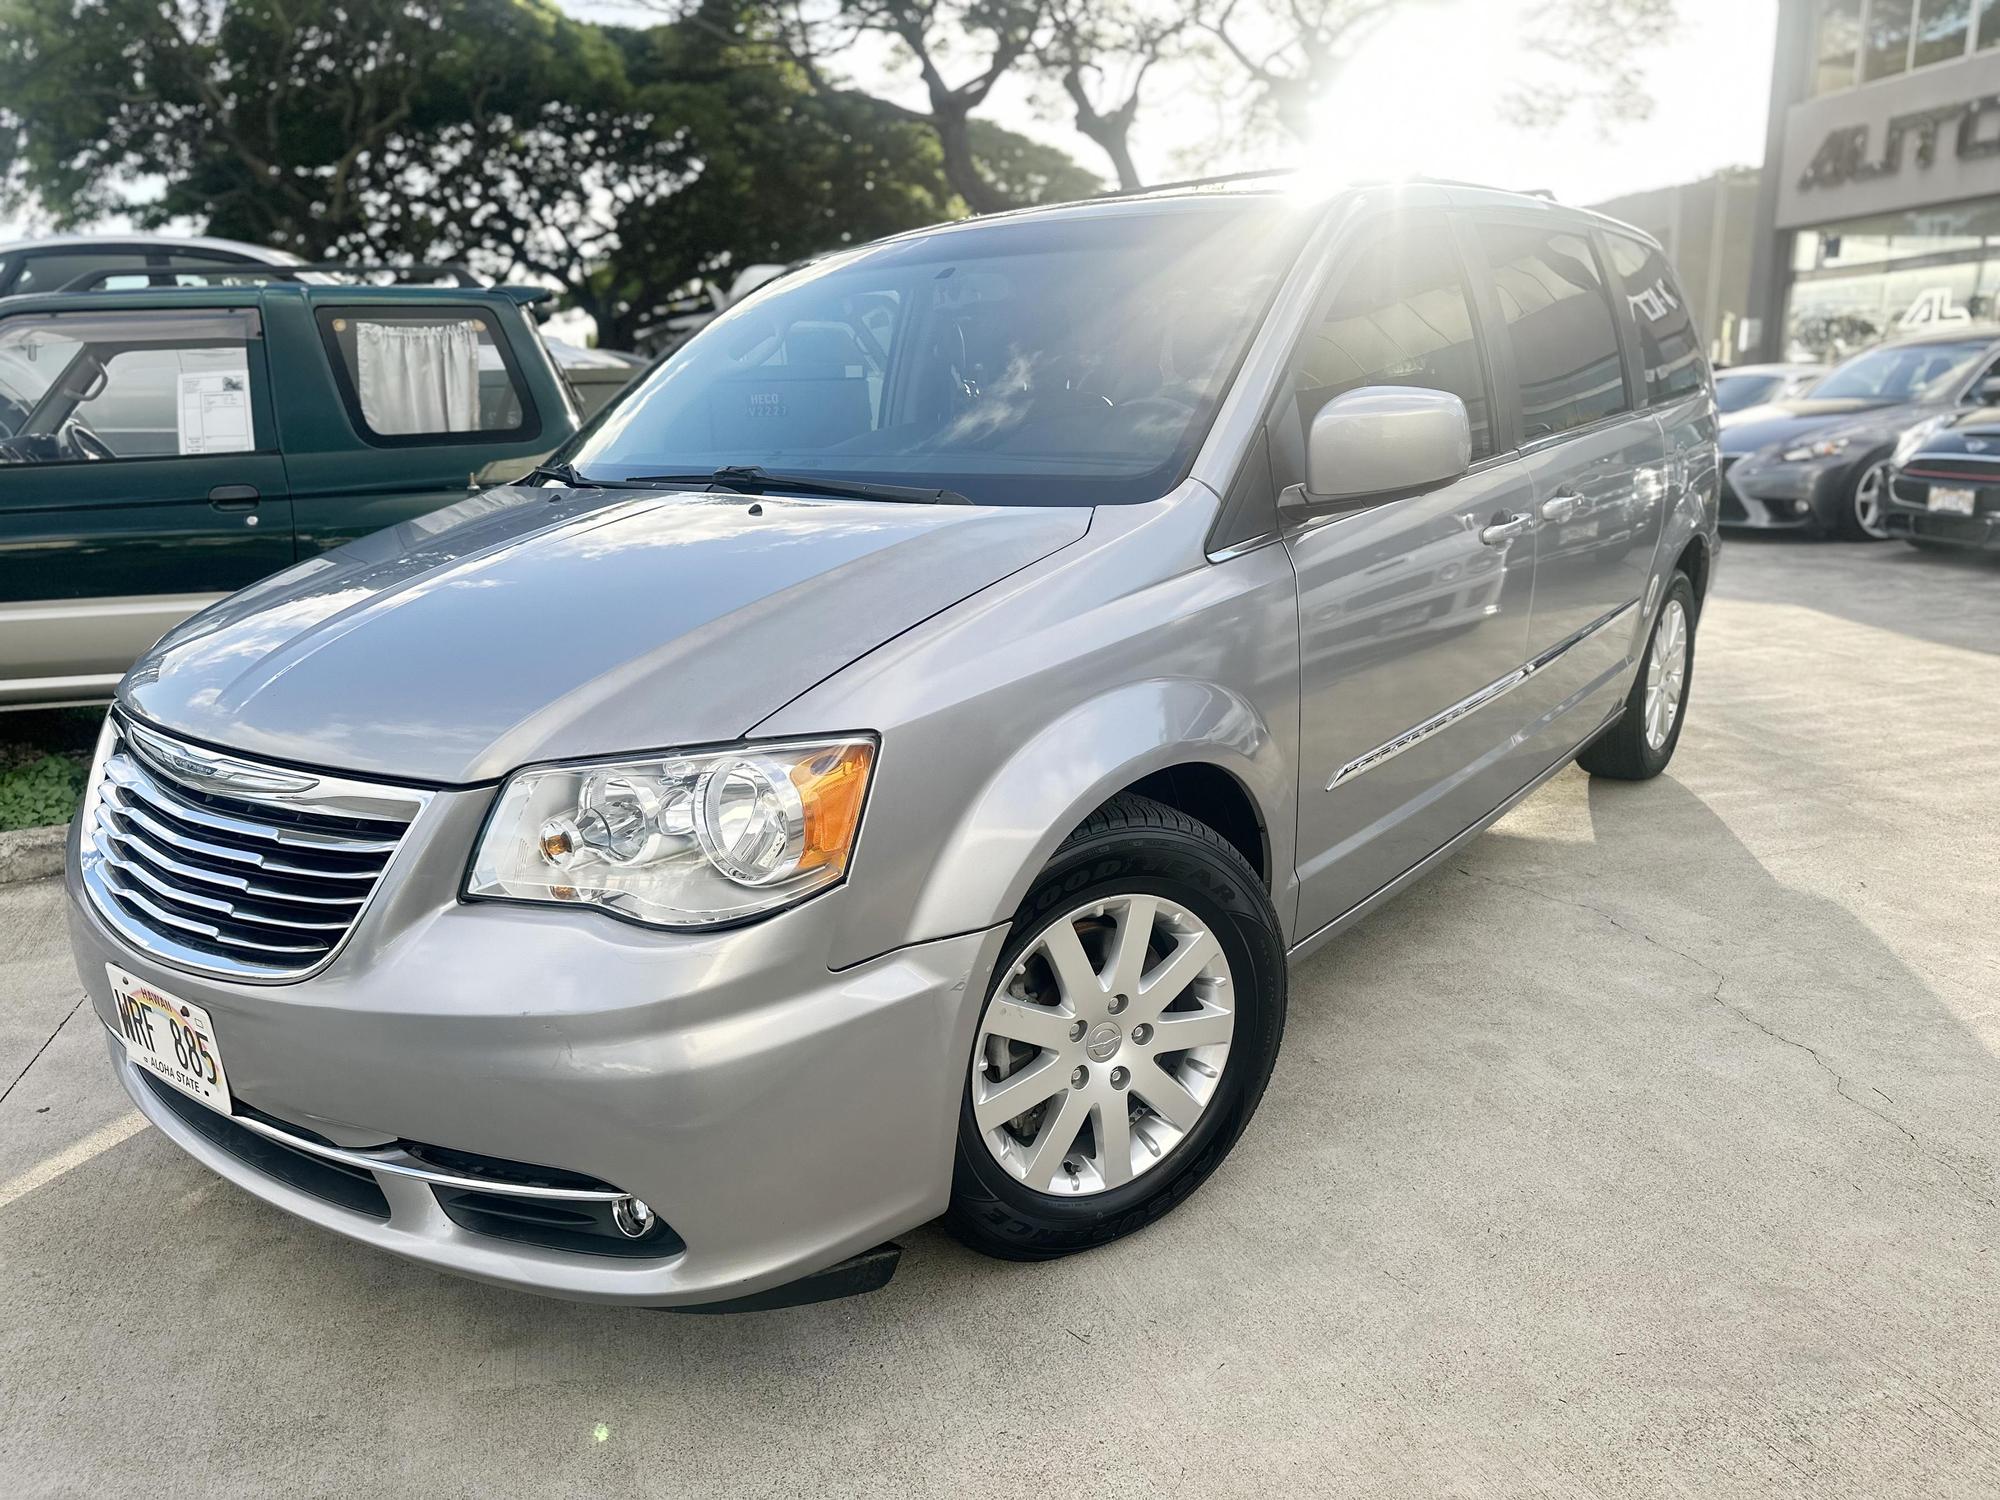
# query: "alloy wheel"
{"type": "Point", "coordinates": [1870, 491]}
{"type": "Point", "coordinates": [1666, 674]}
{"type": "Point", "coordinates": [1103, 1045]}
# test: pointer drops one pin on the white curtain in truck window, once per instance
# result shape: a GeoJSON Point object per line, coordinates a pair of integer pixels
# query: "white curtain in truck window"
{"type": "Point", "coordinates": [417, 377]}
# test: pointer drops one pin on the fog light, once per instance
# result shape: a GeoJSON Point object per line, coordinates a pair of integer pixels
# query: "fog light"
{"type": "Point", "coordinates": [1801, 506]}
{"type": "Point", "coordinates": [632, 1217]}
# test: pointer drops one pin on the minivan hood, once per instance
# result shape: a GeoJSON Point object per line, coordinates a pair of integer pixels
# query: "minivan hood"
{"type": "Point", "coordinates": [527, 625]}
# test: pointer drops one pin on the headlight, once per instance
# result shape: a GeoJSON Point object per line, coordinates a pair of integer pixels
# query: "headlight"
{"type": "Point", "coordinates": [679, 840]}
{"type": "Point", "coordinates": [1908, 444]}
{"type": "Point", "coordinates": [1830, 447]}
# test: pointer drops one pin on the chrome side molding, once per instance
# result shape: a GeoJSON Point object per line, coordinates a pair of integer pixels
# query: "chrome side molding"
{"type": "Point", "coordinates": [1493, 691]}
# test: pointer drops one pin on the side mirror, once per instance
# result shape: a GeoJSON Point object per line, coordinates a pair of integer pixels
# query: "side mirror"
{"type": "Point", "coordinates": [1386, 440]}
{"type": "Point", "coordinates": [1988, 393]}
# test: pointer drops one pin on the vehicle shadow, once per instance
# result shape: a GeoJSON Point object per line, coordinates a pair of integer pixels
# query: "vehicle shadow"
{"type": "Point", "coordinates": [1888, 585]}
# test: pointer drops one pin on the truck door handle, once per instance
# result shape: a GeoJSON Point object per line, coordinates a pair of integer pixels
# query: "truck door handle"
{"type": "Point", "coordinates": [1504, 528]}
{"type": "Point", "coordinates": [1560, 507]}
{"type": "Point", "coordinates": [234, 497]}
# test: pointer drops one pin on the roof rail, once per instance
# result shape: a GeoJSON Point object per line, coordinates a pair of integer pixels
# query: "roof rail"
{"type": "Point", "coordinates": [1229, 177]}
{"type": "Point", "coordinates": [178, 276]}
{"type": "Point", "coordinates": [1219, 180]}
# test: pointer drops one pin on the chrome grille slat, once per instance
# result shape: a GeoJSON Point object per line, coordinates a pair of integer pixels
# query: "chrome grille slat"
{"type": "Point", "coordinates": [115, 796]}
{"type": "Point", "coordinates": [167, 891]}
{"type": "Point", "coordinates": [128, 775]}
{"type": "Point", "coordinates": [133, 843]}
{"type": "Point", "coordinates": [202, 929]}
{"type": "Point", "coordinates": [226, 865]}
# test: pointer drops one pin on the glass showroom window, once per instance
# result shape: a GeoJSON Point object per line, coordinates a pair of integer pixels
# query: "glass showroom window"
{"type": "Point", "coordinates": [1869, 279]}
{"type": "Point", "coordinates": [1837, 45]}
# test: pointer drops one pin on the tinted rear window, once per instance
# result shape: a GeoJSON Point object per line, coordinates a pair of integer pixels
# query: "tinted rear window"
{"type": "Point", "coordinates": [1669, 347]}
{"type": "Point", "coordinates": [1557, 316]}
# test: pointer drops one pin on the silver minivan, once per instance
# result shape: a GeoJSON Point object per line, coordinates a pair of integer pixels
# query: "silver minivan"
{"type": "Point", "coordinates": [885, 768]}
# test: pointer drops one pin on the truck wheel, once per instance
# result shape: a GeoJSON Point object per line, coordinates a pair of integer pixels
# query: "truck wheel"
{"type": "Point", "coordinates": [1639, 745]}
{"type": "Point", "coordinates": [1133, 1022]}
{"type": "Point", "coordinates": [1860, 516]}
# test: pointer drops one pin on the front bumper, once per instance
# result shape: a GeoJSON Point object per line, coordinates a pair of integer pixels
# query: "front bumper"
{"type": "Point", "coordinates": [1977, 533]}
{"type": "Point", "coordinates": [780, 1117]}
{"type": "Point", "coordinates": [1785, 497]}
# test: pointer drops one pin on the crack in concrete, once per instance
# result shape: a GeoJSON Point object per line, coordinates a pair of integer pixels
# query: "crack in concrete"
{"type": "Point", "coordinates": [46, 1044]}
{"type": "Point", "coordinates": [1722, 980]}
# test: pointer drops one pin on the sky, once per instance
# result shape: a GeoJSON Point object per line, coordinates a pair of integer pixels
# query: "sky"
{"type": "Point", "coordinates": [1423, 98]}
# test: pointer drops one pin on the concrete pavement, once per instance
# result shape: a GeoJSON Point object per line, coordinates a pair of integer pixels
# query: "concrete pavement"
{"type": "Point", "coordinates": [1649, 1149]}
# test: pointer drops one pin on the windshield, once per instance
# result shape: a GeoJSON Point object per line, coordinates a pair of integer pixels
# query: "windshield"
{"type": "Point", "coordinates": [1915, 372]}
{"type": "Point", "coordinates": [1067, 360]}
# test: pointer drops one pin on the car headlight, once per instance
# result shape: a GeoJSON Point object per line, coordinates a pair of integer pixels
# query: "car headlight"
{"type": "Point", "coordinates": [1828, 447]}
{"type": "Point", "coordinates": [679, 840]}
{"type": "Point", "coordinates": [1908, 444]}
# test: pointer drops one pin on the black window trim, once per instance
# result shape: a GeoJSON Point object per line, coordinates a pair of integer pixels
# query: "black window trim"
{"type": "Point", "coordinates": [527, 430]}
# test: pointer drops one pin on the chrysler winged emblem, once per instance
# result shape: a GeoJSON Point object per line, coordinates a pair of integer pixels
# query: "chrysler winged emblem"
{"type": "Point", "coordinates": [206, 769]}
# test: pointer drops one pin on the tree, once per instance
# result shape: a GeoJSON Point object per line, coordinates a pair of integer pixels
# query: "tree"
{"type": "Point", "coordinates": [276, 121]}
{"type": "Point", "coordinates": [1594, 47]}
{"type": "Point", "coordinates": [1101, 52]}
{"type": "Point", "coordinates": [622, 165]}
{"type": "Point", "coordinates": [932, 35]}
{"type": "Point", "coordinates": [1294, 53]}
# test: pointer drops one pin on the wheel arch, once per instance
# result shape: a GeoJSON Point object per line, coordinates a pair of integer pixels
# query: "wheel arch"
{"type": "Point", "coordinates": [1695, 561]}
{"type": "Point", "coordinates": [1194, 745]}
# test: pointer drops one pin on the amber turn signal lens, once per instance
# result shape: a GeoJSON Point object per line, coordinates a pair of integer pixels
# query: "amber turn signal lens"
{"type": "Point", "coordinates": [830, 787]}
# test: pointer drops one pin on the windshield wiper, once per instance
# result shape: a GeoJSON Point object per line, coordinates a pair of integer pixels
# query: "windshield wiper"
{"type": "Point", "coordinates": [562, 473]}
{"type": "Point", "coordinates": [750, 478]}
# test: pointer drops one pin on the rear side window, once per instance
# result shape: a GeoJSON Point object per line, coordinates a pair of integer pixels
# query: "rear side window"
{"type": "Point", "coordinates": [1557, 317]}
{"type": "Point", "coordinates": [1668, 345]}
{"type": "Point", "coordinates": [1400, 316]}
{"type": "Point", "coordinates": [86, 387]}
{"type": "Point", "coordinates": [426, 375]}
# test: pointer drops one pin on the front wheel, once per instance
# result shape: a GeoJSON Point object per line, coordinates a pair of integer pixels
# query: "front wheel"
{"type": "Point", "coordinates": [1132, 1025]}
{"type": "Point", "coordinates": [1639, 744]}
{"type": "Point", "coordinates": [1861, 517]}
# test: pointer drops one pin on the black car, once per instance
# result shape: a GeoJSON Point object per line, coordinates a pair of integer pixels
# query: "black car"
{"type": "Point", "coordinates": [1822, 462]}
{"type": "Point", "coordinates": [1944, 489]}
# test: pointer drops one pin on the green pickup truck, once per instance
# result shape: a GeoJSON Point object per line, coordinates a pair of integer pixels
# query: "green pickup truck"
{"type": "Point", "coordinates": [161, 447]}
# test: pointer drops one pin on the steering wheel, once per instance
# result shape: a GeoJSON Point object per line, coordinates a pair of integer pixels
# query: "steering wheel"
{"type": "Point", "coordinates": [84, 443]}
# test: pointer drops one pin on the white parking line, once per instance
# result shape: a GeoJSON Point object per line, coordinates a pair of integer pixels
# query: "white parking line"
{"type": "Point", "coordinates": [95, 1144]}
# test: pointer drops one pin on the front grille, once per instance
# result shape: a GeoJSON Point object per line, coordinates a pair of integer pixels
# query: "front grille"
{"type": "Point", "coordinates": [264, 882]}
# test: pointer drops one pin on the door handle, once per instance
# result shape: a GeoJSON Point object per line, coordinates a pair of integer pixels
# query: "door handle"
{"type": "Point", "coordinates": [1504, 528]}
{"type": "Point", "coordinates": [234, 497]}
{"type": "Point", "coordinates": [1560, 507]}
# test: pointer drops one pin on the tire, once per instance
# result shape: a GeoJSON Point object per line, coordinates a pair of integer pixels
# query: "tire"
{"type": "Point", "coordinates": [1627, 751]}
{"type": "Point", "coordinates": [1860, 515]}
{"type": "Point", "coordinates": [1137, 859]}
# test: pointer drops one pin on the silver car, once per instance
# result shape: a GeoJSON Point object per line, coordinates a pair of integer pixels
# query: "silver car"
{"type": "Point", "coordinates": [885, 769]}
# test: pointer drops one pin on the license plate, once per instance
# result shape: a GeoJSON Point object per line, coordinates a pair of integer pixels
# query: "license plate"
{"type": "Point", "coordinates": [1953, 502]}
{"type": "Point", "coordinates": [170, 1038]}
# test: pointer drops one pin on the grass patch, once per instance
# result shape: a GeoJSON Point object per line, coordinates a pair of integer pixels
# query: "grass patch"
{"type": "Point", "coordinates": [44, 758]}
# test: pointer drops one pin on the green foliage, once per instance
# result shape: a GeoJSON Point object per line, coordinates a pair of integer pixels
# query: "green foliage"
{"type": "Point", "coordinates": [623, 164]}
{"type": "Point", "coordinates": [39, 791]}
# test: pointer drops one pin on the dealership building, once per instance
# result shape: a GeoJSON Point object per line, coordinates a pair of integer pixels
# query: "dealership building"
{"type": "Point", "coordinates": [1882, 216]}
